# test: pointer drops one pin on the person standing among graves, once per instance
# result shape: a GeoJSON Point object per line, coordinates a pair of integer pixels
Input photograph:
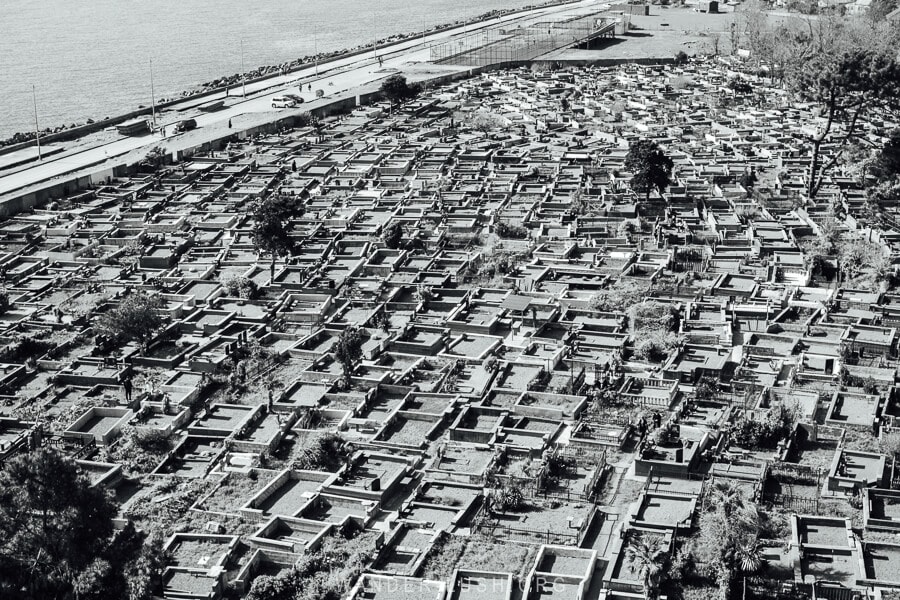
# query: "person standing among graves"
{"type": "Point", "coordinates": [127, 385]}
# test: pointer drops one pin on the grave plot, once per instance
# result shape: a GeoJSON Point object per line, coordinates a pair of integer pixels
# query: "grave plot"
{"type": "Point", "coordinates": [851, 471]}
{"type": "Point", "coordinates": [404, 551]}
{"type": "Point", "coordinates": [285, 534]}
{"type": "Point", "coordinates": [622, 572]}
{"type": "Point", "coordinates": [882, 563]}
{"type": "Point", "coordinates": [99, 424]}
{"type": "Point", "coordinates": [469, 584]}
{"type": "Point", "coordinates": [460, 463]}
{"type": "Point", "coordinates": [236, 490]}
{"type": "Point", "coordinates": [881, 509]}
{"type": "Point", "coordinates": [412, 430]}
{"type": "Point", "coordinates": [821, 532]}
{"type": "Point", "coordinates": [192, 458]}
{"type": "Point", "coordinates": [537, 521]}
{"type": "Point", "coordinates": [664, 511]}
{"type": "Point", "coordinates": [382, 587]}
{"type": "Point", "coordinates": [199, 551]}
{"type": "Point", "coordinates": [288, 493]}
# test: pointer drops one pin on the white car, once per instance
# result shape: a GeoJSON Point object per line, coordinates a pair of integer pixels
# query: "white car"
{"type": "Point", "coordinates": [283, 102]}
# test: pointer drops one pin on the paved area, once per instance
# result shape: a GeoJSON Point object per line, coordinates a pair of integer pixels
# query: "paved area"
{"type": "Point", "coordinates": [335, 78]}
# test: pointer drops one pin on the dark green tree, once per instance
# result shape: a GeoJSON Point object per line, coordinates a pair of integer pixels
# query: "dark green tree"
{"type": "Point", "coordinates": [348, 350]}
{"type": "Point", "coordinates": [651, 167]}
{"type": "Point", "coordinates": [848, 83]}
{"type": "Point", "coordinates": [740, 86]}
{"type": "Point", "coordinates": [886, 165]}
{"type": "Point", "coordinates": [396, 89]}
{"type": "Point", "coordinates": [271, 229]}
{"type": "Point", "coordinates": [748, 181]}
{"type": "Point", "coordinates": [138, 317]}
{"type": "Point", "coordinates": [392, 235]}
{"type": "Point", "coordinates": [56, 531]}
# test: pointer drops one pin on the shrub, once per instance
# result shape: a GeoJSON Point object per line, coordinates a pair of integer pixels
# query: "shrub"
{"type": "Point", "coordinates": [505, 230]}
{"type": "Point", "coordinates": [325, 452]}
{"type": "Point", "coordinates": [507, 498]}
{"type": "Point", "coordinates": [238, 286]}
{"type": "Point", "coordinates": [763, 433]}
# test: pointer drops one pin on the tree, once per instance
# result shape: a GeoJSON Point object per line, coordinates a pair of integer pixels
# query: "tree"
{"type": "Point", "coordinates": [143, 575]}
{"type": "Point", "coordinates": [324, 452]}
{"type": "Point", "coordinates": [484, 121]}
{"type": "Point", "coordinates": [753, 24]}
{"type": "Point", "coordinates": [739, 86]}
{"type": "Point", "coordinates": [650, 165]}
{"type": "Point", "coordinates": [863, 263]}
{"type": "Point", "coordinates": [392, 235]}
{"type": "Point", "coordinates": [848, 83]}
{"type": "Point", "coordinates": [271, 230]}
{"type": "Point", "coordinates": [681, 57]}
{"type": "Point", "coordinates": [748, 555]}
{"type": "Point", "coordinates": [648, 560]}
{"type": "Point", "coordinates": [239, 286]}
{"type": "Point", "coordinates": [348, 350]}
{"type": "Point", "coordinates": [56, 531]}
{"type": "Point", "coordinates": [886, 166]}
{"type": "Point", "coordinates": [748, 181]}
{"type": "Point", "coordinates": [397, 90]}
{"type": "Point", "coordinates": [138, 317]}
{"type": "Point", "coordinates": [885, 193]}
{"type": "Point", "coordinates": [879, 9]}
{"type": "Point", "coordinates": [707, 388]}
{"type": "Point", "coordinates": [729, 529]}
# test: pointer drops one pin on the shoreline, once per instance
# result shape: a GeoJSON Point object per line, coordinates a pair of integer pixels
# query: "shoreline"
{"type": "Point", "coordinates": [25, 139]}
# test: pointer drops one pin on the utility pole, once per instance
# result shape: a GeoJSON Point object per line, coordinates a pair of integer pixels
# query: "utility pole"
{"type": "Point", "coordinates": [316, 49]}
{"type": "Point", "coordinates": [243, 72]}
{"type": "Point", "coordinates": [375, 31]}
{"type": "Point", "coordinates": [152, 97]}
{"type": "Point", "coordinates": [37, 130]}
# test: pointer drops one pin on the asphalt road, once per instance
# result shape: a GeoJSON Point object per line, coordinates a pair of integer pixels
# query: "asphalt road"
{"type": "Point", "coordinates": [335, 78]}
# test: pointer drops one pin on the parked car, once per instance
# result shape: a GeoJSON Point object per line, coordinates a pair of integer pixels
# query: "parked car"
{"type": "Point", "coordinates": [283, 102]}
{"type": "Point", "coordinates": [185, 125]}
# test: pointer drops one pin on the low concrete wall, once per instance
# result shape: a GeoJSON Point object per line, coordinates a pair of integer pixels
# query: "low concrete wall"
{"type": "Point", "coordinates": [69, 184]}
{"type": "Point", "coordinates": [88, 128]}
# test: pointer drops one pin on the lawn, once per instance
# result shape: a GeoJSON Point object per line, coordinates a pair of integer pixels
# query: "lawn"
{"type": "Point", "coordinates": [477, 552]}
{"type": "Point", "coordinates": [236, 489]}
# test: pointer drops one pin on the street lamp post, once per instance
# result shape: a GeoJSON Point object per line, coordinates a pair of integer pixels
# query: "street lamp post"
{"type": "Point", "coordinates": [37, 129]}
{"type": "Point", "coordinates": [243, 72]}
{"type": "Point", "coordinates": [316, 49]}
{"type": "Point", "coordinates": [152, 98]}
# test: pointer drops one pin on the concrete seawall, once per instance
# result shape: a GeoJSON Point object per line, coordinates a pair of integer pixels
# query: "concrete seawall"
{"type": "Point", "coordinates": [85, 178]}
{"type": "Point", "coordinates": [88, 128]}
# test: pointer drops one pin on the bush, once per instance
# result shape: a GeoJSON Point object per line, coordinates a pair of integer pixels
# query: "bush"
{"type": "Point", "coordinates": [507, 498]}
{"type": "Point", "coordinates": [505, 230]}
{"type": "Point", "coordinates": [136, 318]}
{"type": "Point", "coordinates": [763, 433]}
{"type": "Point", "coordinates": [325, 452]}
{"type": "Point", "coordinates": [655, 346]}
{"type": "Point", "coordinates": [238, 286]}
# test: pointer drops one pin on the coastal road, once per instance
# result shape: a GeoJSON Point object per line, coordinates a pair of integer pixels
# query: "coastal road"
{"type": "Point", "coordinates": [335, 78]}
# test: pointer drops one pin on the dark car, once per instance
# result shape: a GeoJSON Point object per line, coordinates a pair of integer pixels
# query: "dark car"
{"type": "Point", "coordinates": [186, 125]}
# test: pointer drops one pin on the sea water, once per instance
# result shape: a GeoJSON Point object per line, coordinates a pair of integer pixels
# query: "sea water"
{"type": "Point", "coordinates": [91, 58]}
